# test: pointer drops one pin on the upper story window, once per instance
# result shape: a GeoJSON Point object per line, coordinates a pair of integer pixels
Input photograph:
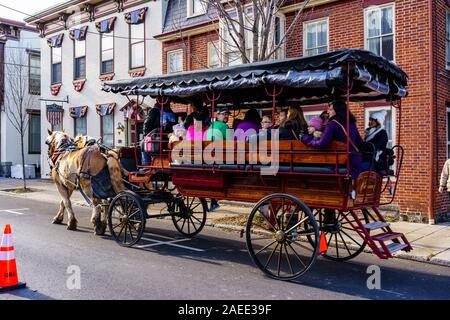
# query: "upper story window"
{"type": "Point", "coordinates": [55, 44]}
{"type": "Point", "coordinates": [379, 31]}
{"type": "Point", "coordinates": [106, 30]}
{"type": "Point", "coordinates": [136, 20]}
{"type": "Point", "coordinates": [56, 65]}
{"type": "Point", "coordinates": [80, 60]}
{"type": "Point", "coordinates": [137, 46]}
{"type": "Point", "coordinates": [107, 53]}
{"type": "Point", "coordinates": [34, 74]}
{"type": "Point", "coordinates": [79, 43]}
{"type": "Point", "coordinates": [278, 36]}
{"type": "Point", "coordinates": [213, 54]}
{"type": "Point", "coordinates": [175, 61]}
{"type": "Point", "coordinates": [315, 38]}
{"type": "Point", "coordinates": [196, 7]}
{"type": "Point", "coordinates": [447, 40]}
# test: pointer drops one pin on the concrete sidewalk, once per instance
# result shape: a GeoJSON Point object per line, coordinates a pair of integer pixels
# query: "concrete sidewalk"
{"type": "Point", "coordinates": [431, 243]}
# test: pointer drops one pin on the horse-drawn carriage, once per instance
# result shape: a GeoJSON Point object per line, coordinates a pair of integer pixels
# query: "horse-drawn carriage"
{"type": "Point", "coordinates": [304, 196]}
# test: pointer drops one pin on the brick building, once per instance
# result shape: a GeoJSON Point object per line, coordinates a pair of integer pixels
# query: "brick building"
{"type": "Point", "coordinates": [415, 34]}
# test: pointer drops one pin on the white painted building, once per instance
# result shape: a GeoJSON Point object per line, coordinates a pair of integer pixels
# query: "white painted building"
{"type": "Point", "coordinates": [84, 43]}
{"type": "Point", "coordinates": [19, 69]}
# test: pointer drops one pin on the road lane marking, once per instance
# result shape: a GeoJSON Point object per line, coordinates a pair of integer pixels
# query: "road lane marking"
{"type": "Point", "coordinates": [169, 243]}
{"type": "Point", "coordinates": [15, 211]}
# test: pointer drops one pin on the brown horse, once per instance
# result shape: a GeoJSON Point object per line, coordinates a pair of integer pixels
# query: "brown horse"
{"type": "Point", "coordinates": [72, 167]}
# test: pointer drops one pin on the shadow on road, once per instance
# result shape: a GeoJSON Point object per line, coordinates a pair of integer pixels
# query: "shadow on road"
{"type": "Point", "coordinates": [399, 278]}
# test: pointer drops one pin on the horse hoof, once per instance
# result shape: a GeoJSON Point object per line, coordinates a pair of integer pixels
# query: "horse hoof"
{"type": "Point", "coordinates": [72, 226]}
{"type": "Point", "coordinates": [57, 221]}
{"type": "Point", "coordinates": [100, 230]}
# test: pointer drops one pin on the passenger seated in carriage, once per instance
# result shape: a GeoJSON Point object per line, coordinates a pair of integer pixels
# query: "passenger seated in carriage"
{"type": "Point", "coordinates": [197, 131]}
{"type": "Point", "coordinates": [250, 126]}
{"type": "Point", "coordinates": [336, 130]}
{"type": "Point", "coordinates": [220, 127]}
{"type": "Point", "coordinates": [152, 124]}
{"type": "Point", "coordinates": [376, 139]}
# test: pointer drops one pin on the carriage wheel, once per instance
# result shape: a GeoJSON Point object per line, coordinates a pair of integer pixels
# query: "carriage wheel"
{"type": "Point", "coordinates": [344, 243]}
{"type": "Point", "coordinates": [189, 215]}
{"type": "Point", "coordinates": [126, 218]}
{"type": "Point", "coordinates": [277, 231]}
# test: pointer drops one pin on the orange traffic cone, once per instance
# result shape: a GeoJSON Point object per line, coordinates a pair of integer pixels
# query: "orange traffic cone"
{"type": "Point", "coordinates": [323, 244]}
{"type": "Point", "coordinates": [8, 271]}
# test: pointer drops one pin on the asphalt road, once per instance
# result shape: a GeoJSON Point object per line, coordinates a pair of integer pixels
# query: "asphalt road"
{"type": "Point", "coordinates": [215, 265]}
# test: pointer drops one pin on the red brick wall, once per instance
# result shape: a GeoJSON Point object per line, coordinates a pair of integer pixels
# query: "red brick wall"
{"type": "Point", "coordinates": [442, 97]}
{"type": "Point", "coordinates": [412, 43]}
{"type": "Point", "coordinates": [346, 28]}
{"type": "Point", "coordinates": [195, 50]}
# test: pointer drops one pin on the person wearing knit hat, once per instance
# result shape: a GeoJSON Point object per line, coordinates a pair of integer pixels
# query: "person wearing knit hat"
{"type": "Point", "coordinates": [377, 138]}
{"type": "Point", "coordinates": [315, 127]}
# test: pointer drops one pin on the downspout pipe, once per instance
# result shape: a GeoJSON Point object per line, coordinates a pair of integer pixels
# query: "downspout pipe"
{"type": "Point", "coordinates": [431, 152]}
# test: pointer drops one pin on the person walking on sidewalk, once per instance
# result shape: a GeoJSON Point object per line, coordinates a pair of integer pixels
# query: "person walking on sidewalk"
{"type": "Point", "coordinates": [445, 178]}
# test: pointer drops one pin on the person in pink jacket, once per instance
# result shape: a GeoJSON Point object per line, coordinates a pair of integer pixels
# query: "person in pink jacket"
{"type": "Point", "coordinates": [197, 131]}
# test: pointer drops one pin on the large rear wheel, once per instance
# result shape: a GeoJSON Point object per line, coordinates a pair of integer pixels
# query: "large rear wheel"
{"type": "Point", "coordinates": [277, 233]}
{"type": "Point", "coordinates": [343, 241]}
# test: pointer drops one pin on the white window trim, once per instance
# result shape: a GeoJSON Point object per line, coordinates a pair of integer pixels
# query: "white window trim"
{"type": "Point", "coordinates": [210, 46]}
{"type": "Point", "coordinates": [190, 9]}
{"type": "Point", "coordinates": [312, 113]}
{"type": "Point", "coordinates": [305, 39]}
{"type": "Point", "coordinates": [366, 27]}
{"type": "Point", "coordinates": [282, 48]}
{"type": "Point", "coordinates": [447, 40]}
{"type": "Point", "coordinates": [394, 119]}
{"type": "Point", "coordinates": [172, 52]}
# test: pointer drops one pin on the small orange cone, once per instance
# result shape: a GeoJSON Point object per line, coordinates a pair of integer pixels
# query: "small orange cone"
{"type": "Point", "coordinates": [8, 271]}
{"type": "Point", "coordinates": [323, 244]}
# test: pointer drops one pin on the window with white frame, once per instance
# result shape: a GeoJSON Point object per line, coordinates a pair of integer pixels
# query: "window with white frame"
{"type": "Point", "coordinates": [34, 133]}
{"type": "Point", "coordinates": [107, 53]}
{"type": "Point", "coordinates": [175, 61]}
{"type": "Point", "coordinates": [379, 30]}
{"type": "Point", "coordinates": [56, 65]}
{"type": "Point", "coordinates": [213, 54]}
{"type": "Point", "coordinates": [80, 126]}
{"type": "Point", "coordinates": [278, 35]}
{"type": "Point", "coordinates": [34, 74]}
{"type": "Point", "coordinates": [196, 7]}
{"type": "Point", "coordinates": [80, 59]}
{"type": "Point", "coordinates": [315, 37]}
{"type": "Point", "coordinates": [447, 40]}
{"type": "Point", "coordinates": [389, 123]}
{"type": "Point", "coordinates": [137, 45]}
{"type": "Point", "coordinates": [107, 129]}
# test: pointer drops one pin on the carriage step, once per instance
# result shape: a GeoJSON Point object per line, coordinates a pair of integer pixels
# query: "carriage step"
{"type": "Point", "coordinates": [387, 236]}
{"type": "Point", "coordinates": [376, 225]}
{"type": "Point", "coordinates": [394, 247]}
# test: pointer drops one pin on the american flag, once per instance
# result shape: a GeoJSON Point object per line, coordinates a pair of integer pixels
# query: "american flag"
{"type": "Point", "coordinates": [55, 114]}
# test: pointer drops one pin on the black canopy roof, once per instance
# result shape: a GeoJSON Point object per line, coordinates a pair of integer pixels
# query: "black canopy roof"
{"type": "Point", "coordinates": [306, 79]}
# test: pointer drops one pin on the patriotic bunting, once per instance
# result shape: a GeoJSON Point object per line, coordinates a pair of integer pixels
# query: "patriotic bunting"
{"type": "Point", "coordinates": [136, 17]}
{"type": "Point", "coordinates": [55, 114]}
{"type": "Point", "coordinates": [105, 109]}
{"type": "Point", "coordinates": [132, 112]}
{"type": "Point", "coordinates": [106, 26]}
{"type": "Point", "coordinates": [78, 112]}
{"type": "Point", "coordinates": [78, 34]}
{"type": "Point", "coordinates": [56, 41]}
